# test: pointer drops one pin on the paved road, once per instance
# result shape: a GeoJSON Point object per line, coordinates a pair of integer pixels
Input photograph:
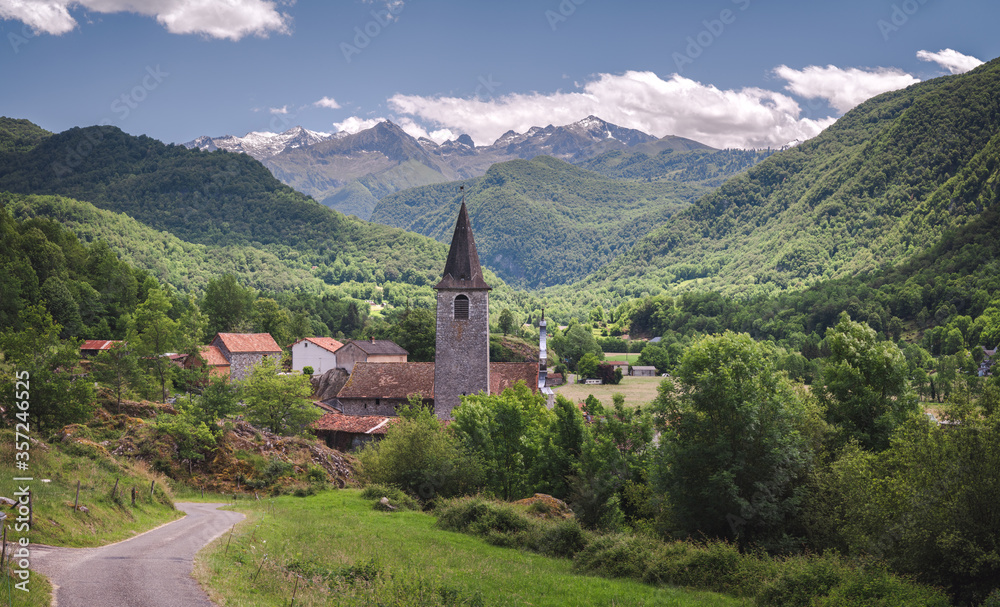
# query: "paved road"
{"type": "Point", "coordinates": [149, 570]}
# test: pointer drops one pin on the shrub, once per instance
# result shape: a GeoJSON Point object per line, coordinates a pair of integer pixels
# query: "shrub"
{"type": "Point", "coordinates": [396, 496]}
{"type": "Point", "coordinates": [876, 587]}
{"type": "Point", "coordinates": [617, 556]}
{"type": "Point", "coordinates": [307, 370]}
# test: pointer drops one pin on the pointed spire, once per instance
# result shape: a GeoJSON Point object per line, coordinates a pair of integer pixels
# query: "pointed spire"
{"type": "Point", "coordinates": [462, 270]}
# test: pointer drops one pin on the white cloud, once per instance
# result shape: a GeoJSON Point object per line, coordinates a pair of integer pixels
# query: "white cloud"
{"type": "Point", "coordinates": [327, 102]}
{"type": "Point", "coordinates": [227, 19]}
{"type": "Point", "coordinates": [952, 60]}
{"type": "Point", "coordinates": [749, 117]}
{"type": "Point", "coordinates": [356, 123]}
{"type": "Point", "coordinates": [279, 110]}
{"type": "Point", "coordinates": [843, 88]}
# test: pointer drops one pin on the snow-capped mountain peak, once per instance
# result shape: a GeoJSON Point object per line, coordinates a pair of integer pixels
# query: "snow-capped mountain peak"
{"type": "Point", "coordinates": [261, 144]}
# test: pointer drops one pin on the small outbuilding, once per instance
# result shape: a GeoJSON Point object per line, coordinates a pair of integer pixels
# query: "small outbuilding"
{"type": "Point", "coordinates": [643, 371]}
{"type": "Point", "coordinates": [371, 351]}
{"type": "Point", "coordinates": [320, 353]}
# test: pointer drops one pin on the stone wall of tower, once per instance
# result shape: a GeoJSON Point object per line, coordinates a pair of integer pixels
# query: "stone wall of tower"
{"type": "Point", "coordinates": [462, 360]}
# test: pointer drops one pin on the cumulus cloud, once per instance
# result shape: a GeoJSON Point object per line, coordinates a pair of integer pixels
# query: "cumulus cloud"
{"type": "Point", "coordinates": [843, 88]}
{"type": "Point", "coordinates": [327, 102]}
{"type": "Point", "coordinates": [226, 19]}
{"type": "Point", "coordinates": [356, 123]}
{"type": "Point", "coordinates": [749, 117]}
{"type": "Point", "coordinates": [279, 110]}
{"type": "Point", "coordinates": [952, 60]}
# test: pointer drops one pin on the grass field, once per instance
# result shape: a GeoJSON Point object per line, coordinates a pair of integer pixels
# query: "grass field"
{"type": "Point", "coordinates": [638, 391]}
{"type": "Point", "coordinates": [334, 549]}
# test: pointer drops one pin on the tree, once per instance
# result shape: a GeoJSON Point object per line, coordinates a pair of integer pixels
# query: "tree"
{"type": "Point", "coordinates": [733, 454]}
{"type": "Point", "coordinates": [192, 437]}
{"type": "Point", "coordinates": [561, 449]}
{"type": "Point", "coordinates": [152, 333]}
{"type": "Point", "coordinates": [219, 399]}
{"type": "Point", "coordinates": [507, 321]}
{"type": "Point", "coordinates": [574, 343]}
{"type": "Point", "coordinates": [654, 356]}
{"type": "Point", "coordinates": [117, 368]}
{"type": "Point", "coordinates": [277, 402]}
{"type": "Point", "coordinates": [421, 457]}
{"type": "Point", "coordinates": [269, 317]}
{"type": "Point", "coordinates": [507, 431]}
{"type": "Point", "coordinates": [865, 388]}
{"type": "Point", "coordinates": [227, 303]}
{"type": "Point", "coordinates": [41, 370]}
{"type": "Point", "coordinates": [586, 367]}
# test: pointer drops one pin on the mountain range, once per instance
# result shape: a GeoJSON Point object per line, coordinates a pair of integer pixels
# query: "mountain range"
{"type": "Point", "coordinates": [352, 172]}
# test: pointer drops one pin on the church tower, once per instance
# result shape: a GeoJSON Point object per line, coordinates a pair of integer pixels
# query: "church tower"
{"type": "Point", "coordinates": [462, 360]}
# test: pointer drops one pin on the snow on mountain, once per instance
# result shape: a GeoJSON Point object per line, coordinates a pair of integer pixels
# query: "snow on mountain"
{"type": "Point", "coordinates": [261, 144]}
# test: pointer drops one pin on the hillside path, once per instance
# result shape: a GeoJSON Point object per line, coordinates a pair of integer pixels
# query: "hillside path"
{"type": "Point", "coordinates": [149, 570]}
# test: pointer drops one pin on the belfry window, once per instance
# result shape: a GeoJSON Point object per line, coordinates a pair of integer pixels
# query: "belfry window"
{"type": "Point", "coordinates": [461, 307]}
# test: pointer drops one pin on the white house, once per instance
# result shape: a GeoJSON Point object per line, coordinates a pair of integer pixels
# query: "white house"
{"type": "Point", "coordinates": [320, 353]}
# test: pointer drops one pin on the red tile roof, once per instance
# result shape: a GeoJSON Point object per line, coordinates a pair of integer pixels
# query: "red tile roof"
{"type": "Point", "coordinates": [505, 375]}
{"type": "Point", "coordinates": [99, 344]}
{"type": "Point", "coordinates": [327, 343]}
{"type": "Point", "coordinates": [366, 424]}
{"type": "Point", "coordinates": [389, 380]}
{"type": "Point", "coordinates": [213, 356]}
{"type": "Point", "coordinates": [248, 342]}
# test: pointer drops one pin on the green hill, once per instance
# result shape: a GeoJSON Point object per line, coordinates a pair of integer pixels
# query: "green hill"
{"type": "Point", "coordinates": [543, 221]}
{"type": "Point", "coordinates": [211, 198]}
{"type": "Point", "coordinates": [703, 166]}
{"type": "Point", "coordinates": [883, 183]}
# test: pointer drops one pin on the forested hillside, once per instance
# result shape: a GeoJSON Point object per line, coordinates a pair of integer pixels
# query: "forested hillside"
{"type": "Point", "coordinates": [215, 197]}
{"type": "Point", "coordinates": [544, 221]}
{"type": "Point", "coordinates": [887, 180]}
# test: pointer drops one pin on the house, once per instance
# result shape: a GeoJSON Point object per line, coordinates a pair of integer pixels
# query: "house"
{"type": "Point", "coordinates": [618, 364]}
{"type": "Point", "coordinates": [380, 388]}
{"type": "Point", "coordinates": [211, 357]}
{"type": "Point", "coordinates": [347, 432]}
{"type": "Point", "coordinates": [644, 371]}
{"type": "Point", "coordinates": [320, 353]}
{"type": "Point", "coordinates": [93, 347]}
{"type": "Point", "coordinates": [244, 350]}
{"type": "Point", "coordinates": [553, 379]}
{"type": "Point", "coordinates": [372, 351]}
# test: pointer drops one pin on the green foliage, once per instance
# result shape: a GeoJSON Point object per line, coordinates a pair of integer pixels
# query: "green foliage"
{"type": "Point", "coordinates": [655, 356]}
{"type": "Point", "coordinates": [574, 343]}
{"type": "Point", "coordinates": [507, 432]}
{"type": "Point", "coordinates": [518, 205]}
{"type": "Point", "coordinates": [586, 367]}
{"type": "Point", "coordinates": [420, 457]}
{"type": "Point", "coordinates": [413, 329]}
{"type": "Point", "coordinates": [507, 323]}
{"type": "Point", "coordinates": [503, 524]}
{"type": "Point", "coordinates": [396, 496]}
{"type": "Point", "coordinates": [722, 480]}
{"type": "Point", "coordinates": [193, 438]}
{"type": "Point", "coordinates": [278, 402]}
{"type": "Point", "coordinates": [925, 504]}
{"type": "Point", "coordinates": [19, 135]}
{"type": "Point", "coordinates": [865, 388]}
{"type": "Point", "coordinates": [153, 333]}
{"type": "Point", "coordinates": [219, 399]}
{"type": "Point", "coordinates": [561, 449]}
{"type": "Point", "coordinates": [227, 303]}
{"type": "Point", "coordinates": [39, 386]}
{"type": "Point", "coordinates": [117, 368]}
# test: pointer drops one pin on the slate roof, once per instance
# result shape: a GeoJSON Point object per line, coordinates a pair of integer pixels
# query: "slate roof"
{"type": "Point", "coordinates": [462, 270]}
{"type": "Point", "coordinates": [377, 347]}
{"type": "Point", "coordinates": [99, 344]}
{"type": "Point", "coordinates": [213, 356]}
{"type": "Point", "coordinates": [327, 343]}
{"type": "Point", "coordinates": [389, 380]}
{"type": "Point", "coordinates": [354, 424]}
{"type": "Point", "coordinates": [238, 343]}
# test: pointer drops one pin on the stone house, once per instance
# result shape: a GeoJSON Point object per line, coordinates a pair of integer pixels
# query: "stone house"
{"type": "Point", "coordinates": [244, 350]}
{"type": "Point", "coordinates": [211, 357]}
{"type": "Point", "coordinates": [347, 432]}
{"type": "Point", "coordinates": [320, 353]}
{"type": "Point", "coordinates": [372, 351]}
{"type": "Point", "coordinates": [380, 388]}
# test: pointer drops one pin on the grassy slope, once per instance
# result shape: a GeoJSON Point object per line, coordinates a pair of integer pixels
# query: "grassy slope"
{"type": "Point", "coordinates": [417, 563]}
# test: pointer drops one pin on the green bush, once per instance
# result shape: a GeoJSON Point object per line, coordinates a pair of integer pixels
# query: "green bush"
{"type": "Point", "coordinates": [801, 579]}
{"type": "Point", "coordinates": [617, 556]}
{"type": "Point", "coordinates": [876, 587]}
{"type": "Point", "coordinates": [397, 497]}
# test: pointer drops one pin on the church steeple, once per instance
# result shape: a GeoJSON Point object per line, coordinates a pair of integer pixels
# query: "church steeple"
{"type": "Point", "coordinates": [462, 270]}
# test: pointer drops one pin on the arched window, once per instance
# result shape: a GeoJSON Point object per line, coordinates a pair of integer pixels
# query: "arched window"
{"type": "Point", "coordinates": [461, 307]}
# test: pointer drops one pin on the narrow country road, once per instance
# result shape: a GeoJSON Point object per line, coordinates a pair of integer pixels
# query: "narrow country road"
{"type": "Point", "coordinates": [149, 570]}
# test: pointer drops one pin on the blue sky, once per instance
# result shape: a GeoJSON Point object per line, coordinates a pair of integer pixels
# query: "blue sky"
{"type": "Point", "coordinates": [739, 73]}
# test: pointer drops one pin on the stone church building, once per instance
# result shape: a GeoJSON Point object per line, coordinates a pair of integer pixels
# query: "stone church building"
{"type": "Point", "coordinates": [462, 359]}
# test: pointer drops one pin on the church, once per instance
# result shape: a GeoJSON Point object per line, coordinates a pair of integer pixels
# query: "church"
{"type": "Point", "coordinates": [462, 366]}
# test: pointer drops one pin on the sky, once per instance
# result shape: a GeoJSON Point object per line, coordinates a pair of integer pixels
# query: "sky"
{"type": "Point", "coordinates": [727, 73]}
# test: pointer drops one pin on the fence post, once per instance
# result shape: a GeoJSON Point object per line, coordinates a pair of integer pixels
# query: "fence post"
{"type": "Point", "coordinates": [151, 485]}
{"type": "Point", "coordinates": [133, 496]}
{"type": "Point", "coordinates": [76, 502]}
{"type": "Point", "coordinates": [114, 492]}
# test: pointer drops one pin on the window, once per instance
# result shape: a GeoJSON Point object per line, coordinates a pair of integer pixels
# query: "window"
{"type": "Point", "coordinates": [461, 308]}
